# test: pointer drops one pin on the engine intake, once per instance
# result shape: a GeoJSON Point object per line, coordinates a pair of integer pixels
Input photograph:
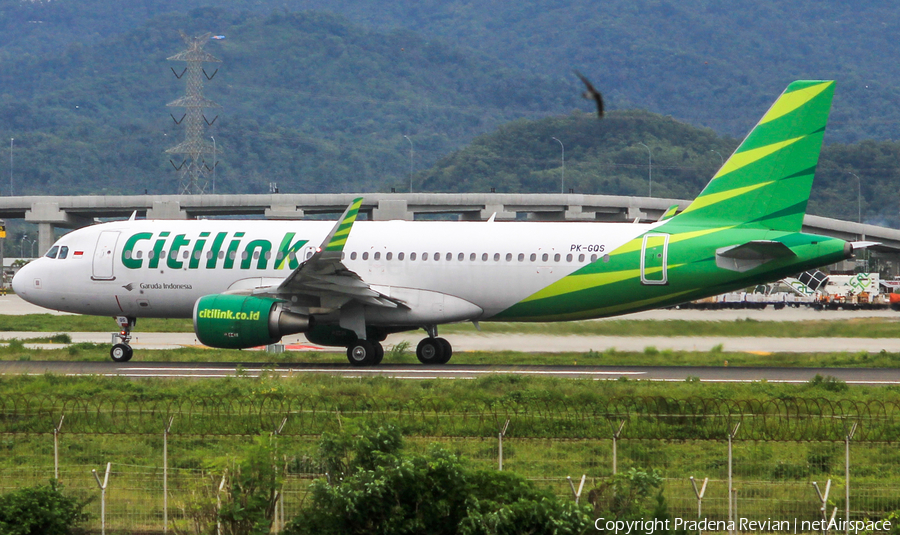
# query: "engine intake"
{"type": "Point", "coordinates": [239, 322]}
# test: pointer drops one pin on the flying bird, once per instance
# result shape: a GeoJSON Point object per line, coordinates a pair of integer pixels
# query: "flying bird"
{"type": "Point", "coordinates": [592, 94]}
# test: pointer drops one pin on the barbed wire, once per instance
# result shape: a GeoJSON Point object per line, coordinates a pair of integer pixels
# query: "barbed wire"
{"type": "Point", "coordinates": [662, 418]}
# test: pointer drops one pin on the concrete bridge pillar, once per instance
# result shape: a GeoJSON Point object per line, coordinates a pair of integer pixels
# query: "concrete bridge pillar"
{"type": "Point", "coordinates": [392, 209]}
{"type": "Point", "coordinates": [47, 215]}
{"type": "Point", "coordinates": [166, 210]}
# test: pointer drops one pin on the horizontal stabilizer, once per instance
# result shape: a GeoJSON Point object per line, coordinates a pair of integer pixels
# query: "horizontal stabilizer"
{"type": "Point", "coordinates": [858, 245]}
{"type": "Point", "coordinates": [750, 255]}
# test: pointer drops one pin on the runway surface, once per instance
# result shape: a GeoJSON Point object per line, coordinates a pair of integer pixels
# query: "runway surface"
{"type": "Point", "coordinates": [530, 343]}
{"type": "Point", "coordinates": [856, 376]}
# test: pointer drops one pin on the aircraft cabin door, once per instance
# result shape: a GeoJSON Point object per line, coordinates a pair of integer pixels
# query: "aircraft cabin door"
{"type": "Point", "coordinates": [104, 255]}
{"type": "Point", "coordinates": [654, 259]}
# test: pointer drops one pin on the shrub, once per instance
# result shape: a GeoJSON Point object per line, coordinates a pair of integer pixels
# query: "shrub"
{"type": "Point", "coordinates": [42, 510]}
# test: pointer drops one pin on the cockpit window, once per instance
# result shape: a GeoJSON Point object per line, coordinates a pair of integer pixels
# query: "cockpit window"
{"type": "Point", "coordinates": [52, 252]}
{"type": "Point", "coordinates": [63, 252]}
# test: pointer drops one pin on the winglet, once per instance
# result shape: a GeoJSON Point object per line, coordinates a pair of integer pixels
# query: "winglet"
{"type": "Point", "coordinates": [669, 213]}
{"type": "Point", "coordinates": [337, 238]}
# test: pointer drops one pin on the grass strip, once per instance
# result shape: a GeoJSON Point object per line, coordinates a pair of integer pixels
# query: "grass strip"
{"type": "Point", "coordinates": [87, 352]}
{"type": "Point", "coordinates": [853, 328]}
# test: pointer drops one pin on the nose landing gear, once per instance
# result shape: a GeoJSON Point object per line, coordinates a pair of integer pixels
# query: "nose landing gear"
{"type": "Point", "coordinates": [122, 352]}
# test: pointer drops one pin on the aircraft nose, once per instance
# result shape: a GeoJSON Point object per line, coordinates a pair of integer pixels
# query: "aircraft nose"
{"type": "Point", "coordinates": [20, 282]}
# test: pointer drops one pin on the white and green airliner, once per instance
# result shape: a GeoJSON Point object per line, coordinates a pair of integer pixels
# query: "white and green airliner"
{"type": "Point", "coordinates": [249, 283]}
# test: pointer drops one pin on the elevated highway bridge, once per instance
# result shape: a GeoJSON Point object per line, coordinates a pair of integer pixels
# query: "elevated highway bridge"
{"type": "Point", "coordinates": [49, 212]}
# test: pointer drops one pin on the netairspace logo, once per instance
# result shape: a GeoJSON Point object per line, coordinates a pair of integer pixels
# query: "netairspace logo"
{"type": "Point", "coordinates": [649, 527]}
{"type": "Point", "coordinates": [218, 314]}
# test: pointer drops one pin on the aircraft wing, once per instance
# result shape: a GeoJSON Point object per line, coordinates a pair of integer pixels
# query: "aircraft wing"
{"type": "Point", "coordinates": [325, 277]}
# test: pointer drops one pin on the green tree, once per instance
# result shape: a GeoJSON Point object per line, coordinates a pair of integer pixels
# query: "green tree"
{"type": "Point", "coordinates": [248, 504]}
{"type": "Point", "coordinates": [630, 495]}
{"type": "Point", "coordinates": [377, 488]}
{"type": "Point", "coordinates": [42, 510]}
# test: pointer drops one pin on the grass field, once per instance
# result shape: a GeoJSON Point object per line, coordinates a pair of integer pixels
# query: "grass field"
{"type": "Point", "coordinates": [852, 328]}
{"type": "Point", "coordinates": [609, 357]}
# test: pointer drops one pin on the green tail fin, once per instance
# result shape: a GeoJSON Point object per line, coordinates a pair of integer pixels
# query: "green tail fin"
{"type": "Point", "coordinates": [766, 182]}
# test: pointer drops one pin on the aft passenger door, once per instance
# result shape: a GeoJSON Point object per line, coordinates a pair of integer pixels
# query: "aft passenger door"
{"type": "Point", "coordinates": [104, 256]}
{"type": "Point", "coordinates": [654, 258]}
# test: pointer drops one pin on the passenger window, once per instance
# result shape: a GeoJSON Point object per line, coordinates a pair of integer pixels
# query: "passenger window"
{"type": "Point", "coordinates": [353, 255]}
{"type": "Point", "coordinates": [545, 257]}
{"type": "Point", "coordinates": [508, 257]}
{"type": "Point", "coordinates": [365, 256]}
{"type": "Point", "coordinates": [472, 257]}
{"type": "Point", "coordinates": [151, 255]}
{"type": "Point", "coordinates": [581, 258]}
{"type": "Point", "coordinates": [437, 256]}
{"type": "Point", "coordinates": [52, 252]}
{"type": "Point", "coordinates": [461, 257]}
{"type": "Point", "coordinates": [377, 256]}
{"type": "Point", "coordinates": [139, 254]}
{"type": "Point", "coordinates": [400, 256]}
{"type": "Point", "coordinates": [412, 256]}
{"type": "Point", "coordinates": [450, 256]}
{"type": "Point", "coordinates": [533, 257]}
{"type": "Point", "coordinates": [556, 257]}
{"type": "Point", "coordinates": [568, 258]}
{"type": "Point", "coordinates": [63, 252]}
{"type": "Point", "coordinates": [196, 255]}
{"type": "Point", "coordinates": [606, 258]}
{"type": "Point", "coordinates": [308, 255]}
{"type": "Point", "coordinates": [186, 253]}
{"type": "Point", "coordinates": [222, 255]}
{"type": "Point", "coordinates": [388, 256]}
{"type": "Point", "coordinates": [484, 257]}
{"type": "Point", "coordinates": [424, 256]}
{"type": "Point", "coordinates": [521, 257]}
{"type": "Point", "coordinates": [255, 254]}
{"type": "Point", "coordinates": [269, 255]}
{"type": "Point", "coordinates": [593, 258]}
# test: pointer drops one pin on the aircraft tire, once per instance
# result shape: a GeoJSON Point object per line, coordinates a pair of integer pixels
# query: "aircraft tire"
{"type": "Point", "coordinates": [447, 350]}
{"type": "Point", "coordinates": [430, 351]}
{"type": "Point", "coordinates": [361, 353]}
{"type": "Point", "coordinates": [379, 354]}
{"type": "Point", "coordinates": [121, 352]}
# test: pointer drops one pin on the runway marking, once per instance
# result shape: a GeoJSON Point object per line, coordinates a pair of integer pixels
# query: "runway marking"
{"type": "Point", "coordinates": [382, 371]}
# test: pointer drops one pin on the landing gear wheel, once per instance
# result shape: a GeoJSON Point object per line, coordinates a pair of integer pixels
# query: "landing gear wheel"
{"type": "Point", "coordinates": [121, 352]}
{"type": "Point", "coordinates": [379, 354]}
{"type": "Point", "coordinates": [430, 351]}
{"type": "Point", "coordinates": [361, 353]}
{"type": "Point", "coordinates": [447, 350]}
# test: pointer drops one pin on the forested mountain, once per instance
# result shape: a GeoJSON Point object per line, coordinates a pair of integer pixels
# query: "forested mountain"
{"type": "Point", "coordinates": [309, 101]}
{"type": "Point", "coordinates": [612, 157]}
{"type": "Point", "coordinates": [321, 102]}
{"type": "Point", "coordinates": [707, 63]}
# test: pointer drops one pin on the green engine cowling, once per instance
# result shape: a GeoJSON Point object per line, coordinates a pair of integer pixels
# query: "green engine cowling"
{"type": "Point", "coordinates": [240, 321]}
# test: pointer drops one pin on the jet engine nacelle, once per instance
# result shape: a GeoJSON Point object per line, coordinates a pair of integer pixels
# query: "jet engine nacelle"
{"type": "Point", "coordinates": [240, 322]}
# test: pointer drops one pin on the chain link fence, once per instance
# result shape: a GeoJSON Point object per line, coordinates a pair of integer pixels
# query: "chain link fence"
{"type": "Point", "coordinates": [781, 447]}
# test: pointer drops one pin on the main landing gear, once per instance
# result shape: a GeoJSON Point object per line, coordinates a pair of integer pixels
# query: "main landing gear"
{"type": "Point", "coordinates": [122, 352]}
{"type": "Point", "coordinates": [431, 350]}
{"type": "Point", "coordinates": [434, 350]}
{"type": "Point", "coordinates": [365, 353]}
